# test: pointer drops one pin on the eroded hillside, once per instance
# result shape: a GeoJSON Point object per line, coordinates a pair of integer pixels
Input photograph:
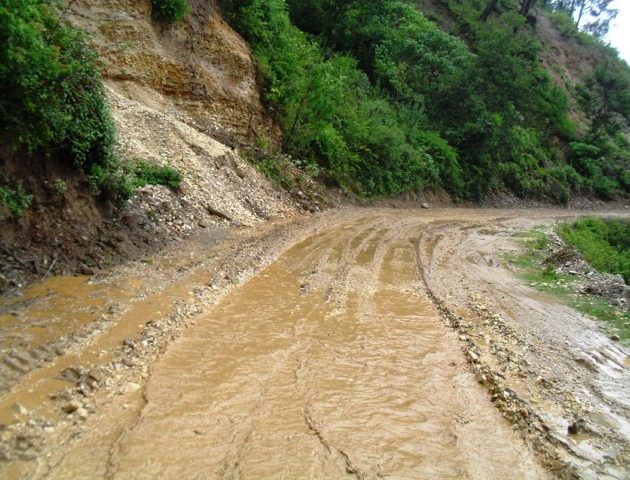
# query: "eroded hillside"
{"type": "Point", "coordinates": [197, 69]}
{"type": "Point", "coordinates": [183, 95]}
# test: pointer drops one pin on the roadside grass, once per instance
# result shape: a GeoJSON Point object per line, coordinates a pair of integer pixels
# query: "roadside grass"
{"type": "Point", "coordinates": [604, 243]}
{"type": "Point", "coordinates": [529, 265]}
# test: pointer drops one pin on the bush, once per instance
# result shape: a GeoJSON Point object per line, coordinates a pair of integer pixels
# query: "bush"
{"type": "Point", "coordinates": [144, 173]}
{"type": "Point", "coordinates": [605, 244]}
{"type": "Point", "coordinates": [169, 10]}
{"type": "Point", "coordinates": [605, 187]}
{"type": "Point", "coordinates": [330, 112]}
{"type": "Point", "coordinates": [16, 200]}
{"type": "Point", "coordinates": [387, 102]}
{"type": "Point", "coordinates": [52, 101]}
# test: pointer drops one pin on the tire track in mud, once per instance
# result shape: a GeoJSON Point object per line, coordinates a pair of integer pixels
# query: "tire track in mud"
{"type": "Point", "coordinates": [327, 379]}
{"type": "Point", "coordinates": [515, 409]}
{"type": "Point", "coordinates": [511, 331]}
{"type": "Point", "coordinates": [343, 359]}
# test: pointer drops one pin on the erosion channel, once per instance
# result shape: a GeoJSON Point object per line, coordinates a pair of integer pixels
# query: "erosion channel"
{"type": "Point", "coordinates": [355, 344]}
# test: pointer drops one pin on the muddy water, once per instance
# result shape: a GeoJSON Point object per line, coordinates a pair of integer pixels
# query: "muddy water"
{"type": "Point", "coordinates": [68, 304]}
{"type": "Point", "coordinates": [331, 363]}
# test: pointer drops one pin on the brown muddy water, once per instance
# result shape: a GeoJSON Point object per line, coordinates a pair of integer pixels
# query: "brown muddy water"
{"type": "Point", "coordinates": [332, 362]}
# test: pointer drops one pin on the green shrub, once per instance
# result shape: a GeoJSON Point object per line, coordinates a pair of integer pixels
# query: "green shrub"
{"type": "Point", "coordinates": [605, 187]}
{"type": "Point", "coordinates": [51, 96]}
{"type": "Point", "coordinates": [169, 10]}
{"type": "Point", "coordinates": [52, 101]}
{"type": "Point", "coordinates": [585, 158]}
{"type": "Point", "coordinates": [605, 244]}
{"type": "Point", "coordinates": [144, 173]}
{"type": "Point", "coordinates": [560, 181]}
{"type": "Point", "coordinates": [386, 102]}
{"type": "Point", "coordinates": [16, 200]}
{"type": "Point", "coordinates": [328, 109]}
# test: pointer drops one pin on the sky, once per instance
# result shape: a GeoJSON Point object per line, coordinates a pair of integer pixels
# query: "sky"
{"type": "Point", "coordinates": [619, 34]}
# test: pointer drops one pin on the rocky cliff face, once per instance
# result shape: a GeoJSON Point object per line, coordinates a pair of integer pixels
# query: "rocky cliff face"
{"type": "Point", "coordinates": [198, 66]}
{"type": "Point", "coordinates": [183, 95]}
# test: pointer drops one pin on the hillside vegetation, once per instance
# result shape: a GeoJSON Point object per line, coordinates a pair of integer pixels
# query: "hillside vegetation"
{"type": "Point", "coordinates": [605, 244]}
{"type": "Point", "coordinates": [53, 106]}
{"type": "Point", "coordinates": [372, 95]}
{"type": "Point", "coordinates": [385, 101]}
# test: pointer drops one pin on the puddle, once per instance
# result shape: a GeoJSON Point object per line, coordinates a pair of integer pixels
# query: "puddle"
{"type": "Point", "coordinates": [35, 389]}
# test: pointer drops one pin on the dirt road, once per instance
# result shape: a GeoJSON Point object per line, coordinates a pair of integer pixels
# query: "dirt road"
{"type": "Point", "coordinates": [355, 344]}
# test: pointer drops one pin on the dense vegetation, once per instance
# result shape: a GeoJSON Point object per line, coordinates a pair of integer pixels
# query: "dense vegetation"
{"type": "Point", "coordinates": [52, 103]}
{"type": "Point", "coordinates": [51, 96]}
{"type": "Point", "coordinates": [604, 244]}
{"type": "Point", "coordinates": [385, 101]}
{"type": "Point", "coordinates": [169, 10]}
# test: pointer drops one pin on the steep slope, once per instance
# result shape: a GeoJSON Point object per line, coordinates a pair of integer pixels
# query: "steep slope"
{"type": "Point", "coordinates": [199, 66]}
{"type": "Point", "coordinates": [180, 93]}
{"type": "Point", "coordinates": [183, 95]}
{"type": "Point", "coordinates": [568, 61]}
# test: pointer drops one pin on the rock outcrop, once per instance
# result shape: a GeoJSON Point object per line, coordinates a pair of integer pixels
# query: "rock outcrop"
{"type": "Point", "coordinates": [199, 66]}
{"type": "Point", "coordinates": [183, 94]}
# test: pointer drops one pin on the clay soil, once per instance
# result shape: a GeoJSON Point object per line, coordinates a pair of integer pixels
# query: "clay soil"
{"type": "Point", "coordinates": [358, 343]}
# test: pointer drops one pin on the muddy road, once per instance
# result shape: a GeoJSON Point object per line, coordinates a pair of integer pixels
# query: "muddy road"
{"type": "Point", "coordinates": [354, 344]}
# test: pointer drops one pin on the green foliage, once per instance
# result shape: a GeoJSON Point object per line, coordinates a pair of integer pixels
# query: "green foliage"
{"type": "Point", "coordinates": [16, 200]}
{"type": "Point", "coordinates": [331, 113]}
{"type": "Point", "coordinates": [585, 158]}
{"type": "Point", "coordinates": [385, 101]}
{"type": "Point", "coordinates": [51, 97]}
{"type": "Point", "coordinates": [533, 265]}
{"type": "Point", "coordinates": [144, 173]}
{"type": "Point", "coordinates": [605, 96]}
{"type": "Point", "coordinates": [169, 10]}
{"type": "Point", "coordinates": [276, 168]}
{"type": "Point", "coordinates": [605, 187]}
{"type": "Point", "coordinates": [566, 26]}
{"type": "Point", "coordinates": [286, 172]}
{"type": "Point", "coordinates": [52, 101]}
{"type": "Point", "coordinates": [60, 186]}
{"type": "Point", "coordinates": [123, 180]}
{"type": "Point", "coordinates": [605, 244]}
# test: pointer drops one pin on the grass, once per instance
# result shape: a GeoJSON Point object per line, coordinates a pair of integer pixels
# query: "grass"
{"type": "Point", "coordinates": [284, 171]}
{"type": "Point", "coordinates": [145, 173]}
{"type": "Point", "coordinates": [530, 266]}
{"type": "Point", "coordinates": [604, 244]}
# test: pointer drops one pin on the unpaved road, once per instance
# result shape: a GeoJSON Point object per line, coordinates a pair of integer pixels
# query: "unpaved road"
{"type": "Point", "coordinates": [355, 344]}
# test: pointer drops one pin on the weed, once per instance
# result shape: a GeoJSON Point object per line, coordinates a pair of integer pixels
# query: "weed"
{"type": "Point", "coordinates": [144, 173]}
{"type": "Point", "coordinates": [16, 200]}
{"type": "Point", "coordinates": [60, 186]}
{"type": "Point", "coordinates": [169, 10]}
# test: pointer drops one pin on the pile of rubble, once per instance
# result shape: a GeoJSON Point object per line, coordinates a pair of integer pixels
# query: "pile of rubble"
{"type": "Point", "coordinates": [566, 260]}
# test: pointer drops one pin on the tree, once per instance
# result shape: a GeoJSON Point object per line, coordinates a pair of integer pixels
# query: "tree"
{"type": "Point", "coordinates": [598, 12]}
{"type": "Point", "coordinates": [490, 7]}
{"type": "Point", "coordinates": [602, 13]}
{"type": "Point", "coordinates": [526, 6]}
